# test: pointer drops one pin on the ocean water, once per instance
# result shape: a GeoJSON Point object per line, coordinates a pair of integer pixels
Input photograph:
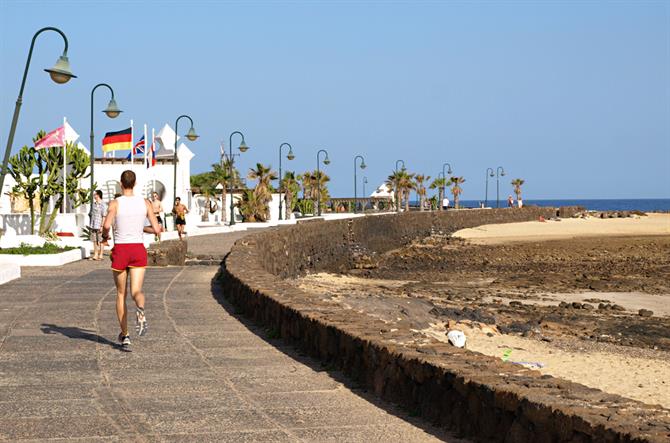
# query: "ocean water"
{"type": "Point", "coordinates": [640, 204]}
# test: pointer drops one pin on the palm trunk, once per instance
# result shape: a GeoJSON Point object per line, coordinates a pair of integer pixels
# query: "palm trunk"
{"type": "Point", "coordinates": [407, 200]}
{"type": "Point", "coordinates": [223, 203]}
{"type": "Point", "coordinates": [31, 205]}
{"type": "Point", "coordinates": [205, 215]}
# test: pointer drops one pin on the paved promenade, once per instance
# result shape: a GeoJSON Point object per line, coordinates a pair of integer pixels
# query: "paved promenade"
{"type": "Point", "coordinates": [200, 374]}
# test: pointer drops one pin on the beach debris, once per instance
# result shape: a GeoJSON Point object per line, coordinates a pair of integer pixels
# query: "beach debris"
{"type": "Point", "coordinates": [506, 354]}
{"type": "Point", "coordinates": [456, 338]}
{"type": "Point", "coordinates": [645, 313]}
{"type": "Point", "coordinates": [529, 364]}
{"type": "Point", "coordinates": [541, 219]}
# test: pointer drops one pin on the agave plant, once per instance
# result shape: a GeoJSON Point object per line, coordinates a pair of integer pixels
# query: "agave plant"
{"type": "Point", "coordinates": [21, 166]}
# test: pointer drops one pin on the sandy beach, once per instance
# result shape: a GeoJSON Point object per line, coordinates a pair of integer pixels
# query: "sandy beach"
{"type": "Point", "coordinates": [582, 299]}
{"type": "Point", "coordinates": [651, 224]}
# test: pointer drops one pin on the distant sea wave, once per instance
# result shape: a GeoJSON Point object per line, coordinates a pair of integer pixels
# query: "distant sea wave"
{"type": "Point", "coordinates": [640, 204]}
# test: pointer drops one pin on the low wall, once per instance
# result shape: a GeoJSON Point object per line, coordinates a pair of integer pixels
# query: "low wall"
{"type": "Point", "coordinates": [167, 253]}
{"type": "Point", "coordinates": [474, 394]}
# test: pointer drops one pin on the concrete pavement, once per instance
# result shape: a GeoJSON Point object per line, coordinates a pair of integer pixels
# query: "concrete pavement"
{"type": "Point", "coordinates": [200, 374]}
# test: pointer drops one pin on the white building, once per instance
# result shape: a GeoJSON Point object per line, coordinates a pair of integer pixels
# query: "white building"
{"type": "Point", "coordinates": [107, 173]}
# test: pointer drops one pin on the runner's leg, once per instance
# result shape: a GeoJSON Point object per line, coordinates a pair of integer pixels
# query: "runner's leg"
{"type": "Point", "coordinates": [136, 282]}
{"type": "Point", "coordinates": [120, 279]}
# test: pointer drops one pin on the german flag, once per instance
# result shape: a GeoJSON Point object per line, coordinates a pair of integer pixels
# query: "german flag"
{"type": "Point", "coordinates": [118, 141]}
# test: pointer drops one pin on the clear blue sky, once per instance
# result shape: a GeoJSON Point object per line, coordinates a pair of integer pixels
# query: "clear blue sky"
{"type": "Point", "coordinates": [574, 97]}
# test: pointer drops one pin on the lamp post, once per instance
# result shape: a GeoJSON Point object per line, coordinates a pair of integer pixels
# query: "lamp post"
{"type": "Point", "coordinates": [326, 161]}
{"type": "Point", "coordinates": [191, 135]}
{"type": "Point", "coordinates": [60, 74]}
{"type": "Point", "coordinates": [362, 166]}
{"type": "Point", "coordinates": [365, 182]}
{"type": "Point", "coordinates": [397, 194]}
{"type": "Point", "coordinates": [112, 111]}
{"type": "Point", "coordinates": [500, 172]}
{"type": "Point", "coordinates": [444, 176]}
{"type": "Point", "coordinates": [489, 173]}
{"type": "Point", "coordinates": [289, 156]}
{"type": "Point", "coordinates": [243, 148]}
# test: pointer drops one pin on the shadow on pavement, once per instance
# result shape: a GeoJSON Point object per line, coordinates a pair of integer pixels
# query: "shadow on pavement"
{"type": "Point", "coordinates": [295, 353]}
{"type": "Point", "coordinates": [80, 334]}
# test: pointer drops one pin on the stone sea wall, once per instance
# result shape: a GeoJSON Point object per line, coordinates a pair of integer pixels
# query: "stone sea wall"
{"type": "Point", "coordinates": [477, 395]}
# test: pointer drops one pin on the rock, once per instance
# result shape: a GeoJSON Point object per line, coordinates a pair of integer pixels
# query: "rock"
{"type": "Point", "coordinates": [515, 303]}
{"type": "Point", "coordinates": [564, 305]}
{"type": "Point", "coordinates": [618, 308]}
{"type": "Point", "coordinates": [576, 305]}
{"type": "Point", "coordinates": [645, 313]}
{"type": "Point", "coordinates": [587, 306]}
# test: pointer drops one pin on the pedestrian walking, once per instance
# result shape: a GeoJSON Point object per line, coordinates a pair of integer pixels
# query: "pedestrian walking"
{"type": "Point", "coordinates": [98, 213]}
{"type": "Point", "coordinates": [127, 215]}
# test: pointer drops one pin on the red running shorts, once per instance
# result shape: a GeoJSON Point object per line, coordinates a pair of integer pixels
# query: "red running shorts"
{"type": "Point", "coordinates": [128, 255]}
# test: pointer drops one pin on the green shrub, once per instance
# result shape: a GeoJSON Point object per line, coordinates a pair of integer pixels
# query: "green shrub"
{"type": "Point", "coordinates": [26, 249]}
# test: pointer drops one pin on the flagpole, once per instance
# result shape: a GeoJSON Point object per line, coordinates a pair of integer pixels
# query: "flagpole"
{"type": "Point", "coordinates": [151, 160]}
{"type": "Point", "coordinates": [64, 168]}
{"type": "Point", "coordinates": [144, 154]}
{"type": "Point", "coordinates": [132, 147]}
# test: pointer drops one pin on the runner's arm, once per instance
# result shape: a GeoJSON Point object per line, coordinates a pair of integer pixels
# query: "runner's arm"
{"type": "Point", "coordinates": [109, 219]}
{"type": "Point", "coordinates": [152, 218]}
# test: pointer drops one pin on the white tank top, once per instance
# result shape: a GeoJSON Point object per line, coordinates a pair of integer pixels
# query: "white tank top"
{"type": "Point", "coordinates": [129, 221]}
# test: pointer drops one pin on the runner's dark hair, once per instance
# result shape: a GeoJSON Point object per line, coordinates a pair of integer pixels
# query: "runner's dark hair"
{"type": "Point", "coordinates": [128, 179]}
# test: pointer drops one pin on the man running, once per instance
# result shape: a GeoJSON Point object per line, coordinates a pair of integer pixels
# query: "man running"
{"type": "Point", "coordinates": [179, 211]}
{"type": "Point", "coordinates": [127, 214]}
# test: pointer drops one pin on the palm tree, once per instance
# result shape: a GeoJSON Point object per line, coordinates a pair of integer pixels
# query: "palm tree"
{"type": "Point", "coordinates": [208, 190]}
{"type": "Point", "coordinates": [402, 183]}
{"type": "Point", "coordinates": [419, 180]}
{"type": "Point", "coordinates": [456, 190]}
{"type": "Point", "coordinates": [406, 184]}
{"type": "Point", "coordinates": [221, 176]}
{"type": "Point", "coordinates": [439, 184]}
{"type": "Point", "coordinates": [392, 182]}
{"type": "Point", "coordinates": [291, 188]}
{"type": "Point", "coordinates": [263, 189]}
{"type": "Point", "coordinates": [517, 182]}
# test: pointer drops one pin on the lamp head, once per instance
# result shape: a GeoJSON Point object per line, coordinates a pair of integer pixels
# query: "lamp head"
{"type": "Point", "coordinates": [61, 72]}
{"type": "Point", "coordinates": [290, 155]}
{"type": "Point", "coordinates": [191, 135]}
{"type": "Point", "coordinates": [363, 165]}
{"type": "Point", "coordinates": [492, 174]}
{"type": "Point", "coordinates": [502, 173]}
{"type": "Point", "coordinates": [243, 147]}
{"type": "Point", "coordinates": [326, 161]}
{"type": "Point", "coordinates": [112, 110]}
{"type": "Point", "coordinates": [449, 170]}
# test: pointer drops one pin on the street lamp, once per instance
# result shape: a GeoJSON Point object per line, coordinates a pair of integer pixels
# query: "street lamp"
{"type": "Point", "coordinates": [397, 194]}
{"type": "Point", "coordinates": [289, 156]}
{"type": "Point", "coordinates": [243, 148]}
{"type": "Point", "coordinates": [326, 161]}
{"type": "Point", "coordinates": [444, 176]}
{"type": "Point", "coordinates": [499, 172]}
{"type": "Point", "coordinates": [191, 135]}
{"type": "Point", "coordinates": [365, 182]}
{"type": "Point", "coordinates": [60, 74]}
{"type": "Point", "coordinates": [112, 111]}
{"type": "Point", "coordinates": [362, 166]}
{"type": "Point", "coordinates": [489, 173]}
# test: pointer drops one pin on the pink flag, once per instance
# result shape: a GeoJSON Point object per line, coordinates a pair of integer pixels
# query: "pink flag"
{"type": "Point", "coordinates": [52, 139]}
